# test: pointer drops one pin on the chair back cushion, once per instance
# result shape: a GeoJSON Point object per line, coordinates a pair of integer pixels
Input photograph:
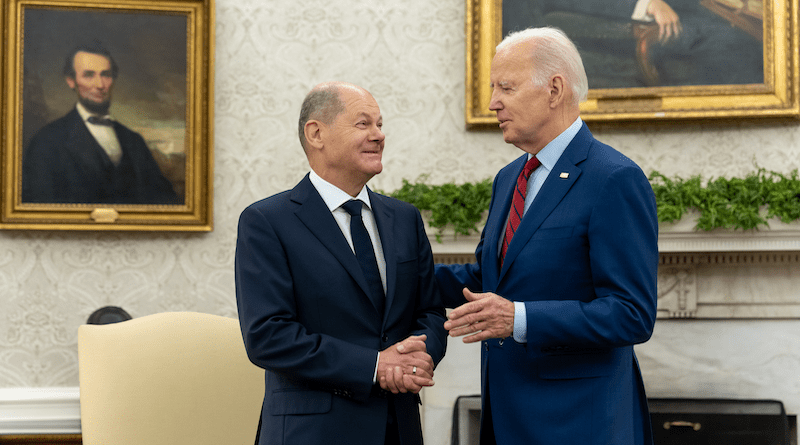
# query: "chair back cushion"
{"type": "Point", "coordinates": [170, 378]}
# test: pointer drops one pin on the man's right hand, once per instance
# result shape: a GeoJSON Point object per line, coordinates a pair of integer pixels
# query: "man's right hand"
{"type": "Point", "coordinates": [669, 24]}
{"type": "Point", "coordinates": [398, 362]}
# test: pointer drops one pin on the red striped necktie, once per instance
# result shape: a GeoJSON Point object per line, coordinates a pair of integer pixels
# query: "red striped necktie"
{"type": "Point", "coordinates": [517, 205]}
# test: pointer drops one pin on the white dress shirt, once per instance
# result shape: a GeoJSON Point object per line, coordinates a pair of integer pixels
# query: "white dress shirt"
{"type": "Point", "coordinates": [103, 134]}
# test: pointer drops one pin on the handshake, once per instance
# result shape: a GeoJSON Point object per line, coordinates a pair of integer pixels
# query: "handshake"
{"type": "Point", "coordinates": [407, 367]}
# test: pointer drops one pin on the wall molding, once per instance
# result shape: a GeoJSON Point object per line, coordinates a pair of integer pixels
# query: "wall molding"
{"type": "Point", "coordinates": [681, 236]}
{"type": "Point", "coordinates": [40, 410]}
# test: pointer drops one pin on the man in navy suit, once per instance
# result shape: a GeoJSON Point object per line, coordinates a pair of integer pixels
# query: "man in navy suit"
{"type": "Point", "coordinates": [87, 157]}
{"type": "Point", "coordinates": [328, 330]}
{"type": "Point", "coordinates": [565, 279]}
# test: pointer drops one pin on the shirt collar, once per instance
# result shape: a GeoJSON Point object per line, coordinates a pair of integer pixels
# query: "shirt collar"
{"type": "Point", "coordinates": [333, 196]}
{"type": "Point", "coordinates": [548, 156]}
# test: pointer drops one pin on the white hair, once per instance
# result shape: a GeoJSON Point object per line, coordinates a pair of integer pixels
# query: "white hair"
{"type": "Point", "coordinates": [553, 53]}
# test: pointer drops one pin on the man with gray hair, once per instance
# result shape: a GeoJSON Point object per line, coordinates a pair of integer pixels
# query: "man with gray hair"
{"type": "Point", "coordinates": [335, 289]}
{"type": "Point", "coordinates": [565, 279]}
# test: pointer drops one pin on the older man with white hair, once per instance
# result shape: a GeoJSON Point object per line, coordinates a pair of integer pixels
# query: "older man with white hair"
{"type": "Point", "coordinates": [565, 279]}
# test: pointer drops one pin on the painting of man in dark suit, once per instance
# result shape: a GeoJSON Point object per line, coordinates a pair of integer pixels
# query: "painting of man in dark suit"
{"type": "Point", "coordinates": [648, 43]}
{"type": "Point", "coordinates": [88, 156]}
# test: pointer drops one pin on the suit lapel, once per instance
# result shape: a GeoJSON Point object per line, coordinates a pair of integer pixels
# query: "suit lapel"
{"type": "Point", "coordinates": [553, 190]}
{"type": "Point", "coordinates": [314, 214]}
{"type": "Point", "coordinates": [384, 216]}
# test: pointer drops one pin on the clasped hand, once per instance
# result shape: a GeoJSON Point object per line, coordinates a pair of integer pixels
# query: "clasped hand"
{"type": "Point", "coordinates": [406, 366]}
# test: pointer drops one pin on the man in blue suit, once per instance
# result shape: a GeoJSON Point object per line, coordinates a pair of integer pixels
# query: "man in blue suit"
{"type": "Point", "coordinates": [327, 325]}
{"type": "Point", "coordinates": [565, 279]}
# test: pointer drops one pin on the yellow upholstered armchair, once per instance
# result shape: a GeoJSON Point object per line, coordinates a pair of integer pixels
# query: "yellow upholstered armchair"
{"type": "Point", "coordinates": [171, 378]}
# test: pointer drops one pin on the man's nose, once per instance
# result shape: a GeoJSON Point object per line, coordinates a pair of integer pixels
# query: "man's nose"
{"type": "Point", "coordinates": [494, 103]}
{"type": "Point", "coordinates": [100, 82]}
{"type": "Point", "coordinates": [377, 134]}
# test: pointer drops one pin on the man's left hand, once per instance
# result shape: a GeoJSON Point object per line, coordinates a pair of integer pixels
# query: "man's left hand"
{"type": "Point", "coordinates": [484, 316]}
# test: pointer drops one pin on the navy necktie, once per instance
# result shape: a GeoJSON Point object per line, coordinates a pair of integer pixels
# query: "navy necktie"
{"type": "Point", "coordinates": [365, 253]}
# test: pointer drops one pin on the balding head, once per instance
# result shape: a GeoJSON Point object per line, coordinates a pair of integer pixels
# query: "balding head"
{"type": "Point", "coordinates": [323, 103]}
{"type": "Point", "coordinates": [340, 129]}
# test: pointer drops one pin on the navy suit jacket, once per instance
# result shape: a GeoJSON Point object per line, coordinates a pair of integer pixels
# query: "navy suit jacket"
{"type": "Point", "coordinates": [307, 319]}
{"type": "Point", "coordinates": [64, 164]}
{"type": "Point", "coordinates": [584, 260]}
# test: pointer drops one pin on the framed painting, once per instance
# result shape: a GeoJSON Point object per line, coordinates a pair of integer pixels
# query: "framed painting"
{"type": "Point", "coordinates": [656, 60]}
{"type": "Point", "coordinates": [107, 115]}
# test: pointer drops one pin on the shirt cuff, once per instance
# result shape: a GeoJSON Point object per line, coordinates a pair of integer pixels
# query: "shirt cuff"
{"type": "Point", "coordinates": [520, 322]}
{"type": "Point", "coordinates": [640, 11]}
{"type": "Point", "coordinates": [375, 374]}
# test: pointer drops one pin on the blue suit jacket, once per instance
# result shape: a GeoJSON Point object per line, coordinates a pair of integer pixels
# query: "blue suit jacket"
{"type": "Point", "coordinates": [584, 261]}
{"type": "Point", "coordinates": [306, 317]}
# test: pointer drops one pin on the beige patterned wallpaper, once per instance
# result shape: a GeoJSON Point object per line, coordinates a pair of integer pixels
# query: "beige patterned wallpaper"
{"type": "Point", "coordinates": [410, 55]}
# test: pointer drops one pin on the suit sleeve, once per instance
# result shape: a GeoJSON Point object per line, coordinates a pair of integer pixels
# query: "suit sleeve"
{"type": "Point", "coordinates": [273, 336]}
{"type": "Point", "coordinates": [453, 278]}
{"type": "Point", "coordinates": [429, 312]}
{"type": "Point", "coordinates": [623, 257]}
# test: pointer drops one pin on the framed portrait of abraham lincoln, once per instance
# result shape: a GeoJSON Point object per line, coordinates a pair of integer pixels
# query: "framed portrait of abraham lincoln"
{"type": "Point", "coordinates": [654, 59]}
{"type": "Point", "coordinates": [107, 115]}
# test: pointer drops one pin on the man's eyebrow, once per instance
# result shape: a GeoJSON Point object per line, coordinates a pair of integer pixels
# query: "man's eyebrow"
{"type": "Point", "coordinates": [365, 115]}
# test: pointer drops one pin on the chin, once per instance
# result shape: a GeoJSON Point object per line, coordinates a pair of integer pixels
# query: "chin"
{"type": "Point", "coordinates": [96, 107]}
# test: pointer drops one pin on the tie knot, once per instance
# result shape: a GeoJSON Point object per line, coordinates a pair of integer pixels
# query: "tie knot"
{"type": "Point", "coordinates": [353, 207]}
{"type": "Point", "coordinates": [530, 166]}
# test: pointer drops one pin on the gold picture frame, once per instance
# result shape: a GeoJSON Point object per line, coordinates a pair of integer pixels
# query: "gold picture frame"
{"type": "Point", "coordinates": [776, 24]}
{"type": "Point", "coordinates": [160, 175]}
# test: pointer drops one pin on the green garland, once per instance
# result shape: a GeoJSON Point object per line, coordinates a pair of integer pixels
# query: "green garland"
{"type": "Point", "coordinates": [458, 206]}
{"type": "Point", "coordinates": [734, 203]}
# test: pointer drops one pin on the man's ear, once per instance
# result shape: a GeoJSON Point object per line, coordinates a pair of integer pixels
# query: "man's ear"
{"type": "Point", "coordinates": [314, 132]}
{"type": "Point", "coordinates": [558, 90]}
{"type": "Point", "coordinates": [70, 82]}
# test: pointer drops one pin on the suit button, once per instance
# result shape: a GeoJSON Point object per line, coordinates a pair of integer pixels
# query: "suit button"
{"type": "Point", "coordinates": [385, 338]}
{"type": "Point", "coordinates": [486, 345]}
{"type": "Point", "coordinates": [500, 342]}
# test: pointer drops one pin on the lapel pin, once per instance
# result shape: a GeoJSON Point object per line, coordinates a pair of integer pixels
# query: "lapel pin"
{"type": "Point", "coordinates": [564, 175]}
